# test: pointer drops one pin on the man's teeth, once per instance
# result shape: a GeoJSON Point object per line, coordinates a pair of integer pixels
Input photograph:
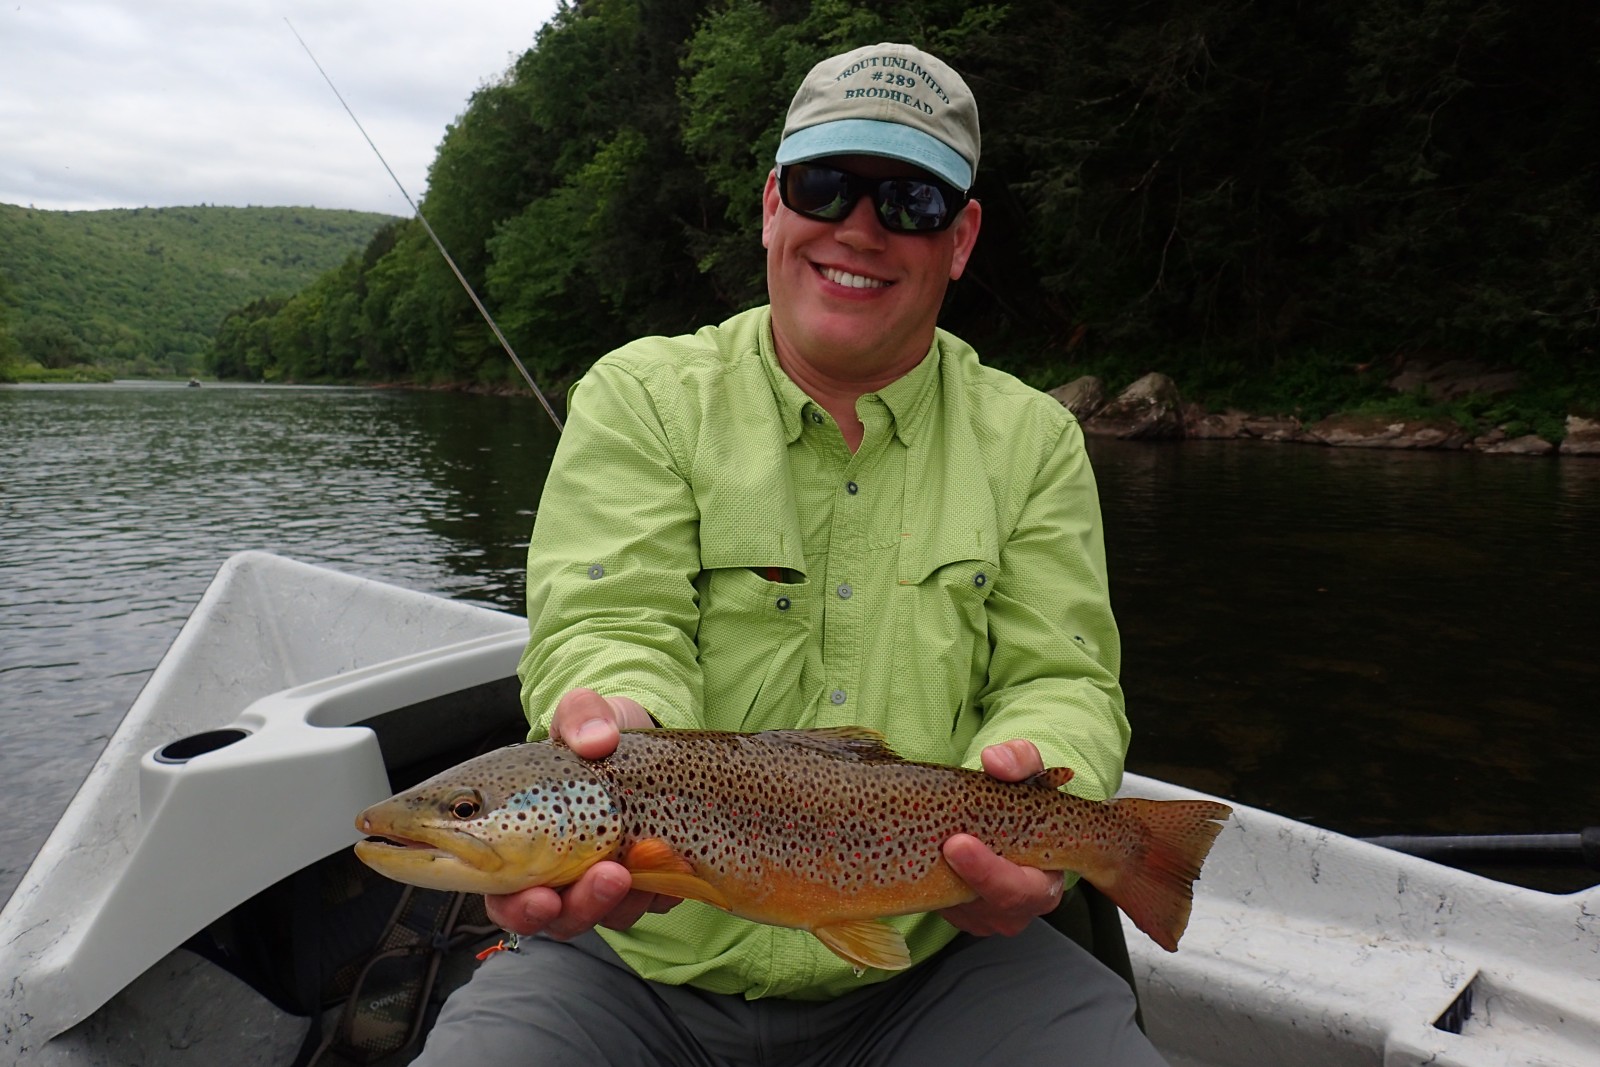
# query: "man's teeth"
{"type": "Point", "coordinates": [854, 281]}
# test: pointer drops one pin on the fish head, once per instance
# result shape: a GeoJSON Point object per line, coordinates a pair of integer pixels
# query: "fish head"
{"type": "Point", "coordinates": [521, 816]}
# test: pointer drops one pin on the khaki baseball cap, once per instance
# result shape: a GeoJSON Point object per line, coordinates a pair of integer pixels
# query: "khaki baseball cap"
{"type": "Point", "coordinates": [889, 100]}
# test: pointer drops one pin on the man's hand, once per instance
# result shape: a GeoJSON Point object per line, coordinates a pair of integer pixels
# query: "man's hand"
{"type": "Point", "coordinates": [604, 896]}
{"type": "Point", "coordinates": [1009, 896]}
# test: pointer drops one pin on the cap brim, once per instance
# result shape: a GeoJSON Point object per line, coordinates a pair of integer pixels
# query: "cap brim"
{"type": "Point", "coordinates": [873, 137]}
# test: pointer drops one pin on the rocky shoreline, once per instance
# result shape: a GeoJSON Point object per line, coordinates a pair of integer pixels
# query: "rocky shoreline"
{"type": "Point", "coordinates": [1152, 408]}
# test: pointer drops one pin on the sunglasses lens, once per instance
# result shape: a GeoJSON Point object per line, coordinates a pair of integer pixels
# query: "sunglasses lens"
{"type": "Point", "coordinates": [820, 192]}
{"type": "Point", "coordinates": [912, 206]}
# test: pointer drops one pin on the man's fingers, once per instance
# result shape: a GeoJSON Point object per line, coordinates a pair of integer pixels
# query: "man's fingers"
{"type": "Point", "coordinates": [586, 722]}
{"type": "Point", "coordinates": [1009, 896]}
{"type": "Point", "coordinates": [523, 913]}
{"type": "Point", "coordinates": [589, 900]}
{"type": "Point", "coordinates": [1012, 761]}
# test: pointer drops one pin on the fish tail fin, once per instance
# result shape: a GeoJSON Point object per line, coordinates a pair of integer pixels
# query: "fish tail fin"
{"type": "Point", "coordinates": [1154, 885]}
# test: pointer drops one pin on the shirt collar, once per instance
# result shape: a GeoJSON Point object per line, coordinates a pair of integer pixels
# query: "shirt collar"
{"type": "Point", "coordinates": [791, 399]}
{"type": "Point", "coordinates": [908, 397]}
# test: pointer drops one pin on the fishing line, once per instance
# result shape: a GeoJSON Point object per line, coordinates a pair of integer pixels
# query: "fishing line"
{"type": "Point", "coordinates": [437, 243]}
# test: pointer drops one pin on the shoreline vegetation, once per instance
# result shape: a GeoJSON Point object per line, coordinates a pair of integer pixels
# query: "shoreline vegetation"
{"type": "Point", "coordinates": [1309, 218]}
{"type": "Point", "coordinates": [1452, 405]}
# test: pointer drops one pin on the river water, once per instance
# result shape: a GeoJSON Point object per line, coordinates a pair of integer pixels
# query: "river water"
{"type": "Point", "coordinates": [1371, 641]}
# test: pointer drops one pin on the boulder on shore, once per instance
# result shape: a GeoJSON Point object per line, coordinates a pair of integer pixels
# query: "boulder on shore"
{"type": "Point", "coordinates": [1150, 409]}
{"type": "Point", "coordinates": [1082, 396]}
{"type": "Point", "coordinates": [1583, 437]}
{"type": "Point", "coordinates": [1501, 443]}
{"type": "Point", "coordinates": [1384, 431]}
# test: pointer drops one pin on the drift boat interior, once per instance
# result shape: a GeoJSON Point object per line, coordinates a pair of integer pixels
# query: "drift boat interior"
{"type": "Point", "coordinates": [199, 903]}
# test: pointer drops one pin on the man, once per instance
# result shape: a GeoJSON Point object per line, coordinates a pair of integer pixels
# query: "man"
{"type": "Point", "coordinates": [821, 512]}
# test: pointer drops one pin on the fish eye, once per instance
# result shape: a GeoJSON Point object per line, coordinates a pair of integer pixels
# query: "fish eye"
{"type": "Point", "coordinates": [467, 804]}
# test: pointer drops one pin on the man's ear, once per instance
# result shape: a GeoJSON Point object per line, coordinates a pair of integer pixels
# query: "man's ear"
{"type": "Point", "coordinates": [769, 207]}
{"type": "Point", "coordinates": [966, 237]}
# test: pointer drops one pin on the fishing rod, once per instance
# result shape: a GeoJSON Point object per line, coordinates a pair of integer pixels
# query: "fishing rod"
{"type": "Point", "coordinates": [501, 337]}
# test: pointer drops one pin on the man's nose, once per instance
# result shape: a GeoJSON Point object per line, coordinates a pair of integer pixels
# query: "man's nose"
{"type": "Point", "coordinates": [861, 229]}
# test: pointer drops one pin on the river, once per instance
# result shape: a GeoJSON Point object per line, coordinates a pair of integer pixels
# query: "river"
{"type": "Point", "coordinates": [1371, 641]}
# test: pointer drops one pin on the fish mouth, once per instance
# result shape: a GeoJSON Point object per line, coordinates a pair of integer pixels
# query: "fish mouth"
{"type": "Point", "coordinates": [403, 843]}
{"type": "Point", "coordinates": [426, 843]}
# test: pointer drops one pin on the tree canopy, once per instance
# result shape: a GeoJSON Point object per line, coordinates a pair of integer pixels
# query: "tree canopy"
{"type": "Point", "coordinates": [141, 291]}
{"type": "Point", "coordinates": [1215, 187]}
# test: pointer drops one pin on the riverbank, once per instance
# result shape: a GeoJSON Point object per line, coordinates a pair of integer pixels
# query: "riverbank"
{"type": "Point", "coordinates": [1442, 405]}
{"type": "Point", "coordinates": [1448, 405]}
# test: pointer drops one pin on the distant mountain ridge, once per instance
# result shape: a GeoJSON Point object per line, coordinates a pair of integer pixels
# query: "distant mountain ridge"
{"type": "Point", "coordinates": [141, 291]}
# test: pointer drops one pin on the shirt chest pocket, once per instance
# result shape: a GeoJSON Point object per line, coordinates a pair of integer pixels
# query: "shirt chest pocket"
{"type": "Point", "coordinates": [753, 645]}
{"type": "Point", "coordinates": [950, 601]}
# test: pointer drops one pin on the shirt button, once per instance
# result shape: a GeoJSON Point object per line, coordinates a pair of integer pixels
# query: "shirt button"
{"type": "Point", "coordinates": [980, 579]}
{"type": "Point", "coordinates": [783, 603]}
{"type": "Point", "coordinates": [837, 696]}
{"type": "Point", "coordinates": [596, 572]}
{"type": "Point", "coordinates": [816, 417]}
{"type": "Point", "coordinates": [852, 488]}
{"type": "Point", "coordinates": [845, 591]}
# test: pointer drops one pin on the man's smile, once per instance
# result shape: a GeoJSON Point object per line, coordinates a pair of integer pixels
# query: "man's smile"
{"type": "Point", "coordinates": [852, 281]}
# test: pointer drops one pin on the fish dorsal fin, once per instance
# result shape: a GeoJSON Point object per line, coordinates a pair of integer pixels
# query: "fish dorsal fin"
{"type": "Point", "coordinates": [866, 943]}
{"type": "Point", "coordinates": [841, 742]}
{"type": "Point", "coordinates": [1054, 777]}
{"type": "Point", "coordinates": [657, 868]}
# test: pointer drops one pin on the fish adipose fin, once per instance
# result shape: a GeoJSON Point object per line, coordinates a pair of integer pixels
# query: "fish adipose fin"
{"type": "Point", "coordinates": [1054, 777]}
{"type": "Point", "coordinates": [656, 868]}
{"type": "Point", "coordinates": [1156, 886]}
{"type": "Point", "coordinates": [867, 943]}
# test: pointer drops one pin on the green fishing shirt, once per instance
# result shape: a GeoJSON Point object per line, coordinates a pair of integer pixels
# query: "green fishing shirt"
{"type": "Point", "coordinates": [709, 546]}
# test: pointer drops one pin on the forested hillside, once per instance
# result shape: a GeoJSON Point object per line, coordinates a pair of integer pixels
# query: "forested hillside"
{"type": "Point", "coordinates": [1234, 192]}
{"type": "Point", "coordinates": [141, 291]}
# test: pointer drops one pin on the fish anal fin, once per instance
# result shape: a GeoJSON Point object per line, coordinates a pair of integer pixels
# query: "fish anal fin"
{"type": "Point", "coordinates": [658, 868]}
{"type": "Point", "coordinates": [866, 943]}
{"type": "Point", "coordinates": [1054, 777]}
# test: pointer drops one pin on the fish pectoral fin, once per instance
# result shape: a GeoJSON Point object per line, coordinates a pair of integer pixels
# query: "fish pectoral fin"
{"type": "Point", "coordinates": [684, 886]}
{"type": "Point", "coordinates": [866, 943]}
{"type": "Point", "coordinates": [658, 868]}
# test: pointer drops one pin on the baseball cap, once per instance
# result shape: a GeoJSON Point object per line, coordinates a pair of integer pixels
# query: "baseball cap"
{"type": "Point", "coordinates": [891, 100]}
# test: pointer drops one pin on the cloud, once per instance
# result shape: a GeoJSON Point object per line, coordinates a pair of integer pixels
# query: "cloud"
{"type": "Point", "coordinates": [134, 103]}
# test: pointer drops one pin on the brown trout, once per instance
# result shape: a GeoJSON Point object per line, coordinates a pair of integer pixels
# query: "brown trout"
{"type": "Point", "coordinates": [821, 830]}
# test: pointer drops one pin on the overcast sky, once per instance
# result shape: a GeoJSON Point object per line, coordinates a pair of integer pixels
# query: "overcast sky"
{"type": "Point", "coordinates": [136, 103]}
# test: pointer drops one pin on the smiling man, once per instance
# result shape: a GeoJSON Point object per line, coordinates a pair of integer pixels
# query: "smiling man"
{"type": "Point", "coordinates": [822, 512]}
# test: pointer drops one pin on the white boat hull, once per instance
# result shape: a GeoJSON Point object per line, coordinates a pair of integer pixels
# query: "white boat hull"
{"type": "Point", "coordinates": [1305, 948]}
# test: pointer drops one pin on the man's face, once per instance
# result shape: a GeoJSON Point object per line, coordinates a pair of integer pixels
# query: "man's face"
{"type": "Point", "coordinates": [850, 298]}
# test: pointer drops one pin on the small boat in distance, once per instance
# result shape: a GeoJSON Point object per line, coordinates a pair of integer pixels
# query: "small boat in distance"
{"type": "Point", "coordinates": [199, 901]}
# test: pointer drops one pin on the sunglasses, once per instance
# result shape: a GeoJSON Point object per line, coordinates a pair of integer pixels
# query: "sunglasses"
{"type": "Point", "coordinates": [903, 205]}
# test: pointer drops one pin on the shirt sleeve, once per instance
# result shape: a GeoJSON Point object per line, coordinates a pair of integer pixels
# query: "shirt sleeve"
{"type": "Point", "coordinates": [612, 561]}
{"type": "Point", "coordinates": [1056, 653]}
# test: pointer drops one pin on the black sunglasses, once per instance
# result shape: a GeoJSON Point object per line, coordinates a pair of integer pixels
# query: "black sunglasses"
{"type": "Point", "coordinates": [903, 205]}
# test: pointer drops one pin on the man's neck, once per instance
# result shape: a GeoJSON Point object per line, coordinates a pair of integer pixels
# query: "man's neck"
{"type": "Point", "coordinates": [837, 393]}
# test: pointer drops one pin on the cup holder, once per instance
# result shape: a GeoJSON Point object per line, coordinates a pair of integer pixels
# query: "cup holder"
{"type": "Point", "coordinates": [187, 748]}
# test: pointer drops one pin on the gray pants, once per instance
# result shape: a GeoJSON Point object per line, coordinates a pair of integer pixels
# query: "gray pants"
{"type": "Point", "coordinates": [1032, 999]}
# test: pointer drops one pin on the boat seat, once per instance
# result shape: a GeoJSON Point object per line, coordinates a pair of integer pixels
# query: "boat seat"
{"type": "Point", "coordinates": [1088, 917]}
